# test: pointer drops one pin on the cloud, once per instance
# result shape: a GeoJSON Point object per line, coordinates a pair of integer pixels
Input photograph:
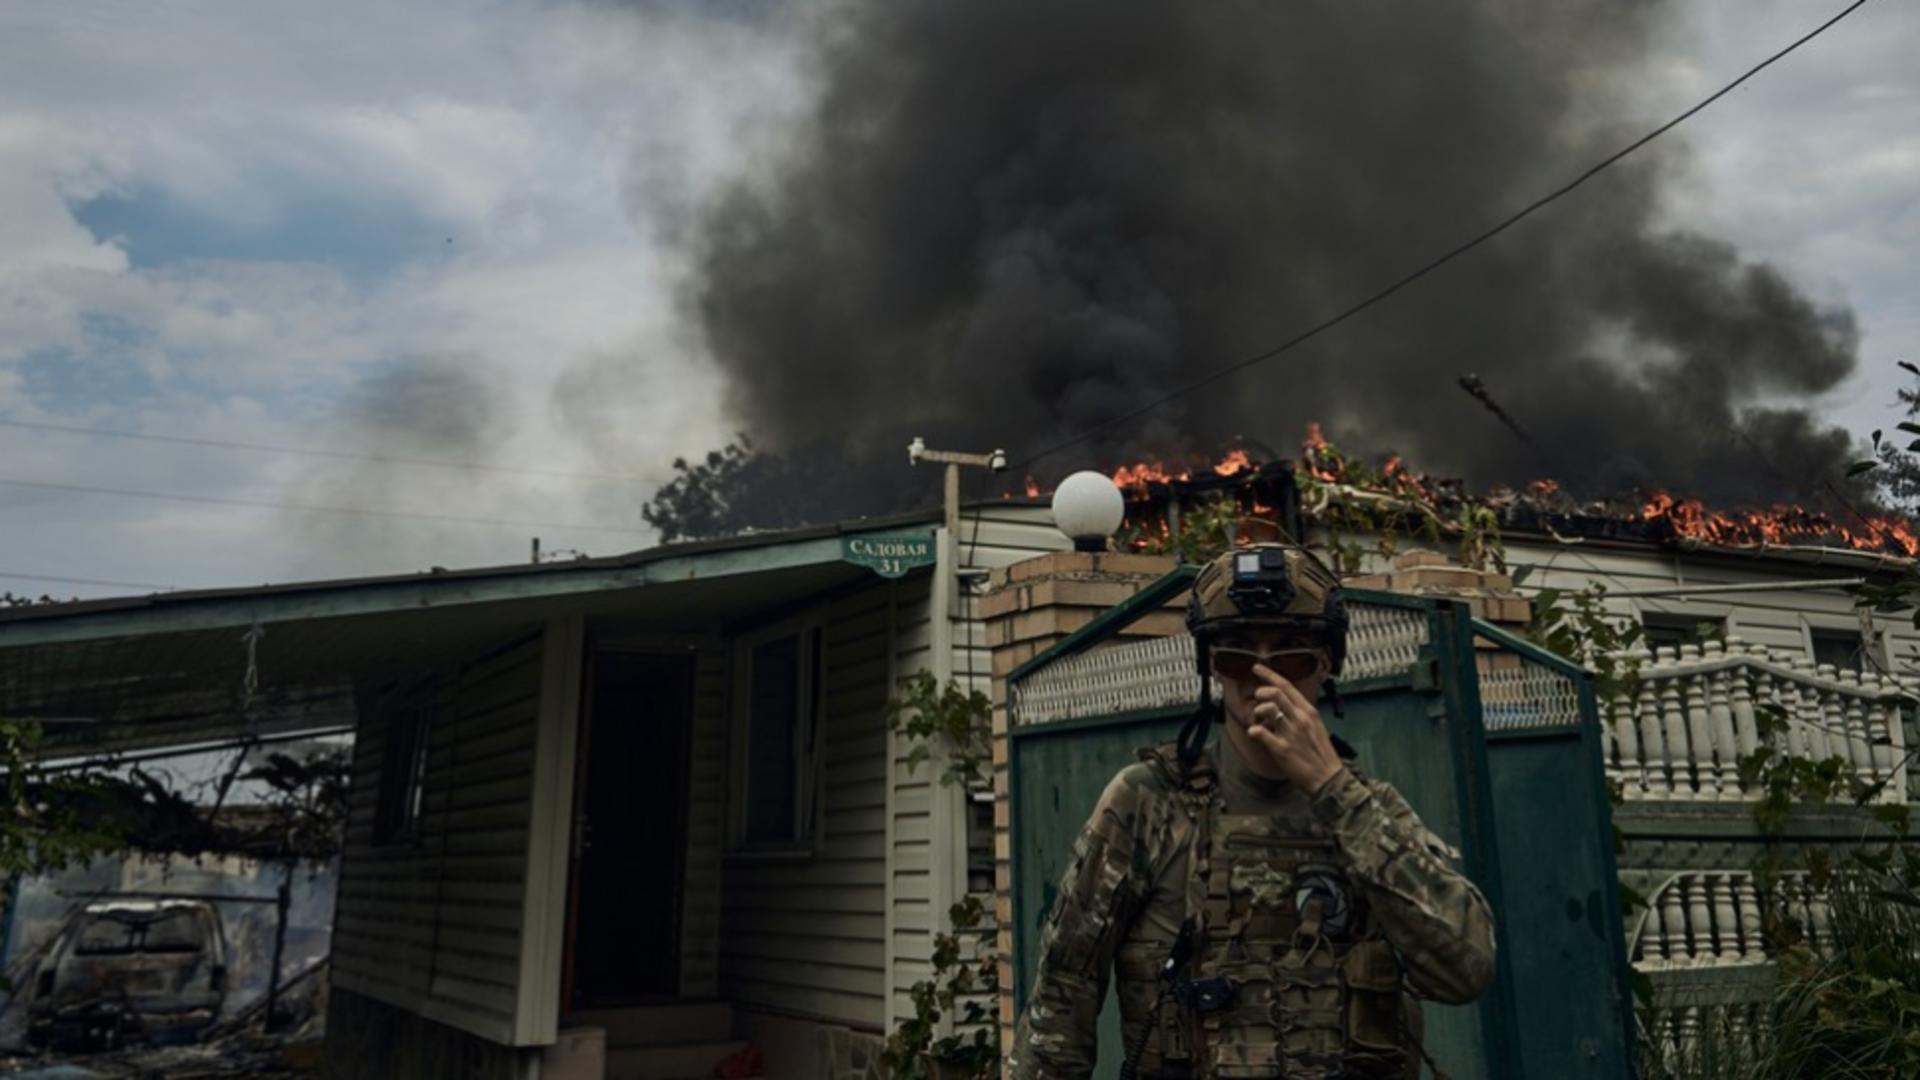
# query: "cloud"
{"type": "Point", "coordinates": [1811, 165]}
{"type": "Point", "coordinates": [233, 222]}
{"type": "Point", "coordinates": [211, 218]}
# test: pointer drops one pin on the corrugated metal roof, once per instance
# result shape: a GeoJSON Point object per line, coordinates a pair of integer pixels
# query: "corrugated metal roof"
{"type": "Point", "coordinates": [744, 541]}
{"type": "Point", "coordinates": [172, 667]}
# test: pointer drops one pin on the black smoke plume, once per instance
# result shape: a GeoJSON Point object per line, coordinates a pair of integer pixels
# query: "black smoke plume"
{"type": "Point", "coordinates": [1006, 222]}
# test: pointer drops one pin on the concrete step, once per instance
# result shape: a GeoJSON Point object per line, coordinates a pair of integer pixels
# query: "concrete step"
{"type": "Point", "coordinates": [658, 1025]}
{"type": "Point", "coordinates": [691, 1061]}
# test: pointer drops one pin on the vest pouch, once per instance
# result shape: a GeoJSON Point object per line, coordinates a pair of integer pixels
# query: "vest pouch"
{"type": "Point", "coordinates": [1376, 1021]}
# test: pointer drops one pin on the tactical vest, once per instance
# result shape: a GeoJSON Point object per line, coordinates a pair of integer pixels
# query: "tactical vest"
{"type": "Point", "coordinates": [1294, 979]}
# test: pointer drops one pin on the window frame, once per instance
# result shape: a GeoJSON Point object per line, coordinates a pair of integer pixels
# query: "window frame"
{"type": "Point", "coordinates": [1648, 617]}
{"type": "Point", "coordinates": [400, 805]}
{"type": "Point", "coordinates": [1865, 660]}
{"type": "Point", "coordinates": [810, 635]}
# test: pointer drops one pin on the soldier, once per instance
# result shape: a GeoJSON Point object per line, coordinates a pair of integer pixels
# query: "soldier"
{"type": "Point", "coordinates": [1269, 911]}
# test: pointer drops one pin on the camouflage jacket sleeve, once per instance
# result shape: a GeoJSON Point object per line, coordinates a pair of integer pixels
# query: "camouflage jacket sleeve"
{"type": "Point", "coordinates": [1098, 898]}
{"type": "Point", "coordinates": [1436, 919]}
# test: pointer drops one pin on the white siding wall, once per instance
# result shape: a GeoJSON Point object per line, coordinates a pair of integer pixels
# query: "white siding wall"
{"type": "Point", "coordinates": [1781, 618]}
{"type": "Point", "coordinates": [927, 833]}
{"type": "Point", "coordinates": [706, 827]}
{"type": "Point", "coordinates": [436, 925]}
{"type": "Point", "coordinates": [805, 936]}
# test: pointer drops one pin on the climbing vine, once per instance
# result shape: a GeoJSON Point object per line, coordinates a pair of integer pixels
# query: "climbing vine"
{"type": "Point", "coordinates": [1208, 527]}
{"type": "Point", "coordinates": [943, 719]}
{"type": "Point", "coordinates": [961, 985]}
{"type": "Point", "coordinates": [944, 722]}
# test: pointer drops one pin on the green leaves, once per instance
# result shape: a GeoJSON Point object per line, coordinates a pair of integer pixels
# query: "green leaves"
{"type": "Point", "coordinates": [1578, 627]}
{"type": "Point", "coordinates": [1897, 817]}
{"type": "Point", "coordinates": [43, 826]}
{"type": "Point", "coordinates": [957, 722]}
{"type": "Point", "coordinates": [959, 984]}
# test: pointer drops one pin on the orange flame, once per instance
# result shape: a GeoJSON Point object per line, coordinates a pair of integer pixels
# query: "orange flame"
{"type": "Point", "coordinates": [1136, 480]}
{"type": "Point", "coordinates": [1234, 463]}
{"type": "Point", "coordinates": [1315, 455]}
{"type": "Point", "coordinates": [1688, 517]}
{"type": "Point", "coordinates": [1133, 480]}
{"type": "Point", "coordinates": [1778, 525]}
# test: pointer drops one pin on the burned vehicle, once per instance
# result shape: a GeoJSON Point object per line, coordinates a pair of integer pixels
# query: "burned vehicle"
{"type": "Point", "coordinates": [131, 971]}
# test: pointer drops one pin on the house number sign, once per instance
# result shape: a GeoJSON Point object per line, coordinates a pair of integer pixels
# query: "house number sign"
{"type": "Point", "coordinates": [888, 554]}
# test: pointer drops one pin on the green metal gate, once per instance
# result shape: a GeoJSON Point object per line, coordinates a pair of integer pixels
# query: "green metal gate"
{"type": "Point", "coordinates": [1495, 744]}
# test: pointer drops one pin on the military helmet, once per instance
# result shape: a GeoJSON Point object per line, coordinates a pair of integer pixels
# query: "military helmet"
{"type": "Point", "coordinates": [1269, 586]}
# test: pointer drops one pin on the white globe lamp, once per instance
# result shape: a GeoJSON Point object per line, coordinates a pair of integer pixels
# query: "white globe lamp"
{"type": "Point", "coordinates": [1087, 507]}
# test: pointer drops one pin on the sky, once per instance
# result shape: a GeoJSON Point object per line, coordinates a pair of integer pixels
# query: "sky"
{"type": "Point", "coordinates": [297, 225]}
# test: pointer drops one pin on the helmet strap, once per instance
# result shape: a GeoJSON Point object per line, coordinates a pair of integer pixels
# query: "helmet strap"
{"type": "Point", "coordinates": [1330, 689]}
{"type": "Point", "coordinates": [1193, 736]}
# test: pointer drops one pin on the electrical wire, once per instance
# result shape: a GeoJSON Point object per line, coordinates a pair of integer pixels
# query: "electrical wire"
{"type": "Point", "coordinates": [265, 504]}
{"type": "Point", "coordinates": [9, 576]}
{"type": "Point", "coordinates": [1443, 259]}
{"type": "Point", "coordinates": [342, 455]}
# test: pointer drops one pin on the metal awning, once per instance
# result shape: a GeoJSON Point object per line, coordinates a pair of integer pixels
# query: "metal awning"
{"type": "Point", "coordinates": [177, 668]}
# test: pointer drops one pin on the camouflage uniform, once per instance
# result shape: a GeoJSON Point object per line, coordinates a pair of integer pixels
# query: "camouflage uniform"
{"type": "Point", "coordinates": [1213, 840]}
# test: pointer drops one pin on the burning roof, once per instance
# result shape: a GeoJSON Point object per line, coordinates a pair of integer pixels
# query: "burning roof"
{"type": "Point", "coordinates": [1282, 494]}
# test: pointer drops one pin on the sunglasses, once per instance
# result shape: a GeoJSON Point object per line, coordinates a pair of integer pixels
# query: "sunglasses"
{"type": "Point", "coordinates": [1292, 665]}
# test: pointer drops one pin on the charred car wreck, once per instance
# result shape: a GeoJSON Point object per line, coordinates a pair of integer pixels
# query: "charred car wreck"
{"type": "Point", "coordinates": [131, 971]}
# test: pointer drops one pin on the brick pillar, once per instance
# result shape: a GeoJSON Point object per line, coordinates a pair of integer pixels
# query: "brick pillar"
{"type": "Point", "coordinates": [1028, 607]}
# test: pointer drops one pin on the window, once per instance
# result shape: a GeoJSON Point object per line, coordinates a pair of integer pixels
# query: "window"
{"type": "Point", "coordinates": [781, 688]}
{"type": "Point", "coordinates": [1841, 648]}
{"type": "Point", "coordinates": [403, 773]}
{"type": "Point", "coordinates": [115, 934]}
{"type": "Point", "coordinates": [1665, 629]}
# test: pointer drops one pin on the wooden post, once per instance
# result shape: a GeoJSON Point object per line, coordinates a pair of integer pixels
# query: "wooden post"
{"type": "Point", "coordinates": [952, 501]}
{"type": "Point", "coordinates": [282, 901]}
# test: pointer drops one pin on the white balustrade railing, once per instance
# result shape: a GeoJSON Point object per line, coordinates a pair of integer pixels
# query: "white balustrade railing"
{"type": "Point", "coordinates": [1696, 710]}
{"type": "Point", "coordinates": [1699, 1040]}
{"type": "Point", "coordinates": [1712, 919]}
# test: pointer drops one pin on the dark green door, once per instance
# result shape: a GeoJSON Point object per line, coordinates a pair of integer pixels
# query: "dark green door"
{"type": "Point", "coordinates": [1057, 773]}
{"type": "Point", "coordinates": [1561, 901]}
{"type": "Point", "coordinates": [1418, 732]}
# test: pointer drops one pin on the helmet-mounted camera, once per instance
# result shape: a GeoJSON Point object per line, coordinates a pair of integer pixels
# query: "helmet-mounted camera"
{"type": "Point", "coordinates": [1261, 584]}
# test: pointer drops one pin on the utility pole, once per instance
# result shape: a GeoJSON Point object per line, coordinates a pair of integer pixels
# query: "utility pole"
{"type": "Point", "coordinates": [995, 461]}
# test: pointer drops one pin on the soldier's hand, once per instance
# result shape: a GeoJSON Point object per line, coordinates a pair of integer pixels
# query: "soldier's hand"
{"type": "Point", "coordinates": [1289, 725]}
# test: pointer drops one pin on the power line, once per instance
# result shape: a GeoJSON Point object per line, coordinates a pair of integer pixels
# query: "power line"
{"type": "Point", "coordinates": [43, 485]}
{"type": "Point", "coordinates": [341, 455]}
{"type": "Point", "coordinates": [9, 575]}
{"type": "Point", "coordinates": [1442, 260]}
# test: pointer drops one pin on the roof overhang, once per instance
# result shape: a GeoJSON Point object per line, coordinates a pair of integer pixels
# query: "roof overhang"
{"type": "Point", "coordinates": [188, 668]}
